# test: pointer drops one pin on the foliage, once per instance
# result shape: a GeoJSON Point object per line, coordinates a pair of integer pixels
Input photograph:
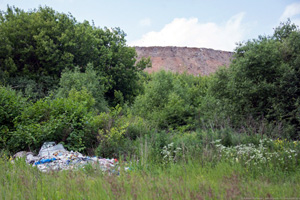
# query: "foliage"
{"type": "Point", "coordinates": [263, 80]}
{"type": "Point", "coordinates": [170, 100]}
{"type": "Point", "coordinates": [11, 106]}
{"type": "Point", "coordinates": [111, 128]}
{"type": "Point", "coordinates": [170, 154]}
{"type": "Point", "coordinates": [117, 67]}
{"type": "Point", "coordinates": [138, 127]}
{"type": "Point", "coordinates": [36, 46]}
{"type": "Point", "coordinates": [262, 158]}
{"type": "Point", "coordinates": [79, 81]}
{"type": "Point", "coordinates": [60, 120]}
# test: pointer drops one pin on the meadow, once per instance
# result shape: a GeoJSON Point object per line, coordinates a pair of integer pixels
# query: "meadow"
{"type": "Point", "coordinates": [267, 171]}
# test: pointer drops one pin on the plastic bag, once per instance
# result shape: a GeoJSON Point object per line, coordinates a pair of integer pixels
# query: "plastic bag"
{"type": "Point", "coordinates": [49, 148]}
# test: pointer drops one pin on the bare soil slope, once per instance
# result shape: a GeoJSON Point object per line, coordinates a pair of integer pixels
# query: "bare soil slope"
{"type": "Point", "coordinates": [197, 61]}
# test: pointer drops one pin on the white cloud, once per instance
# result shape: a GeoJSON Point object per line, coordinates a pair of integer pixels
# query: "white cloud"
{"type": "Point", "coordinates": [292, 11]}
{"type": "Point", "coordinates": [191, 33]}
{"type": "Point", "coordinates": [145, 22]}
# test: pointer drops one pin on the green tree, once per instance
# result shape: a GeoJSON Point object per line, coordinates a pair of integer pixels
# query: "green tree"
{"type": "Point", "coordinates": [11, 106]}
{"type": "Point", "coordinates": [87, 80]}
{"type": "Point", "coordinates": [117, 65]}
{"type": "Point", "coordinates": [60, 120]}
{"type": "Point", "coordinates": [263, 79]}
{"type": "Point", "coordinates": [171, 100]}
{"type": "Point", "coordinates": [36, 46]}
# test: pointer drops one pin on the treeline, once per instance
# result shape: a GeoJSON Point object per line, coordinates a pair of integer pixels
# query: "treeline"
{"type": "Point", "coordinates": [36, 46]}
{"type": "Point", "coordinates": [74, 83]}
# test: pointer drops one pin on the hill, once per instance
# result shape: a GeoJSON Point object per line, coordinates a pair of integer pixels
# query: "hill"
{"type": "Point", "coordinates": [197, 61]}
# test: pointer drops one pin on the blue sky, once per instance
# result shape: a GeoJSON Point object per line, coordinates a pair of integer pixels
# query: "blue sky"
{"type": "Point", "coordinates": [213, 24]}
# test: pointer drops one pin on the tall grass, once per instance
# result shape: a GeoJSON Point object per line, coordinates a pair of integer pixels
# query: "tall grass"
{"type": "Point", "coordinates": [188, 180]}
{"type": "Point", "coordinates": [167, 165]}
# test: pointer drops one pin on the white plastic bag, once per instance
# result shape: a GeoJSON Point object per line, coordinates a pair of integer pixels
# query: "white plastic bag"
{"type": "Point", "coordinates": [49, 148]}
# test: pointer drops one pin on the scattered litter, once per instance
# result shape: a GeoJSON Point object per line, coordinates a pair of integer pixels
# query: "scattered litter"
{"type": "Point", "coordinates": [54, 157]}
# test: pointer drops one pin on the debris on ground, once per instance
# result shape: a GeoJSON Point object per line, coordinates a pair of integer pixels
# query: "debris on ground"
{"type": "Point", "coordinates": [54, 157]}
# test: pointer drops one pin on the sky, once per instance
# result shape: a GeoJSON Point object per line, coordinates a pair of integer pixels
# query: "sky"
{"type": "Point", "coordinates": [212, 24]}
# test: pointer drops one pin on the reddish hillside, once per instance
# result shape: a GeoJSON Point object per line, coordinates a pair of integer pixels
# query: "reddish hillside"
{"type": "Point", "coordinates": [179, 59]}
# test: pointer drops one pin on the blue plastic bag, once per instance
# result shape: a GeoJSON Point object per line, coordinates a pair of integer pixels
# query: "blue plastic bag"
{"type": "Point", "coordinates": [43, 161]}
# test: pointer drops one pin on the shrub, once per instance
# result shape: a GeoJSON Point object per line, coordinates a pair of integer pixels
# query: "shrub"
{"type": "Point", "coordinates": [60, 120]}
{"type": "Point", "coordinates": [137, 127]}
{"type": "Point", "coordinates": [111, 129]}
{"type": "Point", "coordinates": [11, 106]}
{"type": "Point", "coordinates": [170, 100]}
{"type": "Point", "coordinates": [79, 81]}
{"type": "Point", "coordinates": [263, 81]}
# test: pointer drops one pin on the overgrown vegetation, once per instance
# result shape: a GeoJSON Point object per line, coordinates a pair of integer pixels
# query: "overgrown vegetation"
{"type": "Point", "coordinates": [213, 176]}
{"type": "Point", "coordinates": [263, 82]}
{"type": "Point", "coordinates": [36, 46]}
{"type": "Point", "coordinates": [80, 85]}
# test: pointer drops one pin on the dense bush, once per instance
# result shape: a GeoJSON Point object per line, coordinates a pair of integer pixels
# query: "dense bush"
{"type": "Point", "coordinates": [171, 100]}
{"type": "Point", "coordinates": [36, 46]}
{"type": "Point", "coordinates": [82, 81]}
{"type": "Point", "coordinates": [263, 81]}
{"type": "Point", "coordinates": [11, 106]}
{"type": "Point", "coordinates": [111, 129]}
{"type": "Point", "coordinates": [60, 120]}
{"type": "Point", "coordinates": [117, 132]}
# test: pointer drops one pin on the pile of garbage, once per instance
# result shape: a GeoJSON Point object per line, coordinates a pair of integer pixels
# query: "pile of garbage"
{"type": "Point", "coordinates": [54, 157]}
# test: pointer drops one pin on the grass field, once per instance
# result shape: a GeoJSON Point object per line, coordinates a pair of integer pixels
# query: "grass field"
{"type": "Point", "coordinates": [189, 180]}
